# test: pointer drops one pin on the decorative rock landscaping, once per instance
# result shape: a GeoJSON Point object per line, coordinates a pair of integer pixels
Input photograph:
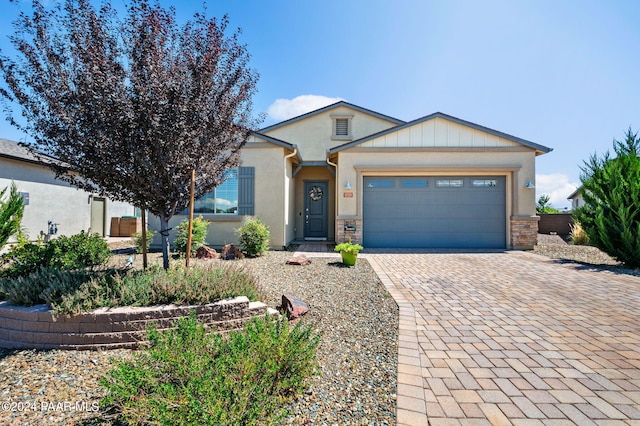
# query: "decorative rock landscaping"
{"type": "Point", "coordinates": [37, 327]}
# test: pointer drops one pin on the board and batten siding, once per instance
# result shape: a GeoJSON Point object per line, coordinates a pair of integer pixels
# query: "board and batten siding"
{"type": "Point", "coordinates": [438, 133]}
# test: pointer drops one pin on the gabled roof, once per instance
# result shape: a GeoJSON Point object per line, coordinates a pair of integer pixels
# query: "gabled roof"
{"type": "Point", "coordinates": [330, 107]}
{"type": "Point", "coordinates": [575, 193]}
{"type": "Point", "coordinates": [275, 141]}
{"type": "Point", "coordinates": [279, 142]}
{"type": "Point", "coordinates": [537, 147]}
{"type": "Point", "coordinates": [15, 151]}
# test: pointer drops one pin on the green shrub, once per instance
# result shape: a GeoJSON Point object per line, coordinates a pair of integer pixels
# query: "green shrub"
{"type": "Point", "coordinates": [75, 291]}
{"type": "Point", "coordinates": [75, 252]}
{"type": "Point", "coordinates": [198, 234]}
{"type": "Point", "coordinates": [137, 238]}
{"type": "Point", "coordinates": [78, 251]}
{"type": "Point", "coordinates": [51, 286]}
{"type": "Point", "coordinates": [349, 247]}
{"type": "Point", "coordinates": [189, 376]}
{"type": "Point", "coordinates": [185, 286]}
{"type": "Point", "coordinates": [254, 237]}
{"type": "Point", "coordinates": [24, 259]}
{"type": "Point", "coordinates": [611, 191]}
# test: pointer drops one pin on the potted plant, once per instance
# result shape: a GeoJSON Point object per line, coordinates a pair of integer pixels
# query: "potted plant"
{"type": "Point", "coordinates": [349, 252]}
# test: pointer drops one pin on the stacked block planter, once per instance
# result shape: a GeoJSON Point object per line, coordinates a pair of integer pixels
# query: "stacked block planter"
{"type": "Point", "coordinates": [37, 327]}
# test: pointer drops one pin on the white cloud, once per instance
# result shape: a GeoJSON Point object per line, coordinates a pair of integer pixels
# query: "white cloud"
{"type": "Point", "coordinates": [556, 186]}
{"type": "Point", "coordinates": [283, 109]}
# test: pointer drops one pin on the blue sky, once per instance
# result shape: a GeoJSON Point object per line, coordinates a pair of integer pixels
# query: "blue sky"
{"type": "Point", "coordinates": [561, 73]}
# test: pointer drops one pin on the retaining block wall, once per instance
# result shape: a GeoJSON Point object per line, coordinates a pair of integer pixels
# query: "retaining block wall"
{"type": "Point", "coordinates": [37, 327]}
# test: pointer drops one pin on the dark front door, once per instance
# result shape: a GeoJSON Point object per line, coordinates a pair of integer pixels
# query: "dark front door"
{"type": "Point", "coordinates": [316, 204]}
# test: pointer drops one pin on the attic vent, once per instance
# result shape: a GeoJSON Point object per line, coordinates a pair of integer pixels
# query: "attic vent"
{"type": "Point", "coordinates": [342, 127]}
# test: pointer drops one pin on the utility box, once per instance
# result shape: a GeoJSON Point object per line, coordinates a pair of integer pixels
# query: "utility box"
{"type": "Point", "coordinates": [129, 226]}
{"type": "Point", "coordinates": [115, 227]}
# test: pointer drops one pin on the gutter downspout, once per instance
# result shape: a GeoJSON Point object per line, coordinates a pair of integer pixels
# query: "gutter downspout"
{"type": "Point", "coordinates": [335, 223]}
{"type": "Point", "coordinates": [287, 206]}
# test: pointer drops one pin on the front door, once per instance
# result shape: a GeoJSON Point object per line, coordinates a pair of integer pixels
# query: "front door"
{"type": "Point", "coordinates": [97, 215]}
{"type": "Point", "coordinates": [316, 205]}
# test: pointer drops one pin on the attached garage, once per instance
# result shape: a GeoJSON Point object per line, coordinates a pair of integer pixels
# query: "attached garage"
{"type": "Point", "coordinates": [434, 211]}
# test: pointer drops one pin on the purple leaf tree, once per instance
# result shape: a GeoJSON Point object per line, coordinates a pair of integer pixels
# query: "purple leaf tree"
{"type": "Point", "coordinates": [130, 105]}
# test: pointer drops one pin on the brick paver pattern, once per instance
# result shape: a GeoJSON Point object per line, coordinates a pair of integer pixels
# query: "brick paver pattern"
{"type": "Point", "coordinates": [513, 338]}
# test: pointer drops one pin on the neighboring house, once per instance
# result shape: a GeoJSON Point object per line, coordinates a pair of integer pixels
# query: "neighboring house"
{"type": "Point", "coordinates": [48, 199]}
{"type": "Point", "coordinates": [345, 172]}
{"type": "Point", "coordinates": [577, 200]}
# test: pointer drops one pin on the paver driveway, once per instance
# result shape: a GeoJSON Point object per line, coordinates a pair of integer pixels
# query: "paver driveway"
{"type": "Point", "coordinates": [513, 338]}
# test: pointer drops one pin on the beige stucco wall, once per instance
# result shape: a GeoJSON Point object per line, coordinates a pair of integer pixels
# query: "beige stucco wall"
{"type": "Point", "coordinates": [312, 135]}
{"type": "Point", "coordinates": [270, 200]}
{"type": "Point", "coordinates": [290, 213]}
{"type": "Point", "coordinates": [221, 229]}
{"type": "Point", "coordinates": [55, 200]}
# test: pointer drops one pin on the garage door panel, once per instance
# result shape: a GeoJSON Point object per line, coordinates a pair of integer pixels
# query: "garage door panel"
{"type": "Point", "coordinates": [424, 212]}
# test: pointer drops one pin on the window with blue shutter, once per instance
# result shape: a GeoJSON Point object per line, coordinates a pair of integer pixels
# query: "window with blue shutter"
{"type": "Point", "coordinates": [246, 191]}
{"type": "Point", "coordinates": [234, 196]}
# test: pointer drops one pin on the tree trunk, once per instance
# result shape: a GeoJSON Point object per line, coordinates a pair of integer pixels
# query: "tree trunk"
{"type": "Point", "coordinates": [164, 233]}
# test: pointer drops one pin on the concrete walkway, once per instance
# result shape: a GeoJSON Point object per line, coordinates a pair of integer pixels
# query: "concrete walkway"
{"type": "Point", "coordinates": [513, 338]}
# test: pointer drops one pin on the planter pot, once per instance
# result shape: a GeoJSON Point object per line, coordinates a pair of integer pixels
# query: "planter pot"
{"type": "Point", "coordinates": [349, 259]}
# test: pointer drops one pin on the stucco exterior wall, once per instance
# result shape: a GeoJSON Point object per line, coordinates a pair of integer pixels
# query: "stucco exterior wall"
{"type": "Point", "coordinates": [269, 200]}
{"type": "Point", "coordinates": [313, 134]}
{"type": "Point", "coordinates": [289, 202]}
{"type": "Point", "coordinates": [270, 181]}
{"type": "Point", "coordinates": [52, 199]}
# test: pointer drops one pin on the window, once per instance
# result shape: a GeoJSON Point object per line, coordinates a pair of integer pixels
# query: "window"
{"type": "Point", "coordinates": [342, 126]}
{"type": "Point", "coordinates": [483, 183]}
{"type": "Point", "coordinates": [223, 199]}
{"type": "Point", "coordinates": [414, 183]}
{"type": "Point", "coordinates": [449, 183]}
{"type": "Point", "coordinates": [381, 183]}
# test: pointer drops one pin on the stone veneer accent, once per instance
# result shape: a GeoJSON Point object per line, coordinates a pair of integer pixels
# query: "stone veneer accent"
{"type": "Point", "coordinates": [37, 327]}
{"type": "Point", "coordinates": [524, 232]}
{"type": "Point", "coordinates": [343, 236]}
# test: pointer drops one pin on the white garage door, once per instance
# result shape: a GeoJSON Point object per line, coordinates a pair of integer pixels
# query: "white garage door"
{"type": "Point", "coordinates": [434, 212]}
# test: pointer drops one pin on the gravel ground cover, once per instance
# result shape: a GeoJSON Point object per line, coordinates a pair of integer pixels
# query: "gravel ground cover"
{"type": "Point", "coordinates": [357, 354]}
{"type": "Point", "coordinates": [358, 320]}
{"type": "Point", "coordinates": [555, 247]}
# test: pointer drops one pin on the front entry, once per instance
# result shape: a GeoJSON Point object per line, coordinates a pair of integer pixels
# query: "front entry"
{"type": "Point", "coordinates": [316, 204]}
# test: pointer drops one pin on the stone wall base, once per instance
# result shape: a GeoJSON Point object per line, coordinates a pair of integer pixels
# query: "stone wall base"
{"type": "Point", "coordinates": [348, 229]}
{"type": "Point", "coordinates": [524, 232]}
{"type": "Point", "coordinates": [36, 327]}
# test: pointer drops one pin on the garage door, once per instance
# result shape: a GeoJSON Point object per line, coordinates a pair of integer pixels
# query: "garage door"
{"type": "Point", "coordinates": [434, 212]}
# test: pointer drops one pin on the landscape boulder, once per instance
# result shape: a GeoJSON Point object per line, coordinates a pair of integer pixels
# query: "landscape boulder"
{"type": "Point", "coordinates": [294, 307]}
{"type": "Point", "coordinates": [299, 260]}
{"type": "Point", "coordinates": [231, 252]}
{"type": "Point", "coordinates": [205, 252]}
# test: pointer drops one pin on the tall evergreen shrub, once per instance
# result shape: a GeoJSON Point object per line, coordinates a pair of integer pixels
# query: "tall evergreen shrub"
{"type": "Point", "coordinates": [611, 191]}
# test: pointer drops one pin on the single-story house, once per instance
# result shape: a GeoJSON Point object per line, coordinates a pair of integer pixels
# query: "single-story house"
{"type": "Point", "coordinates": [50, 200]}
{"type": "Point", "coordinates": [577, 200]}
{"type": "Point", "coordinates": [345, 172]}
